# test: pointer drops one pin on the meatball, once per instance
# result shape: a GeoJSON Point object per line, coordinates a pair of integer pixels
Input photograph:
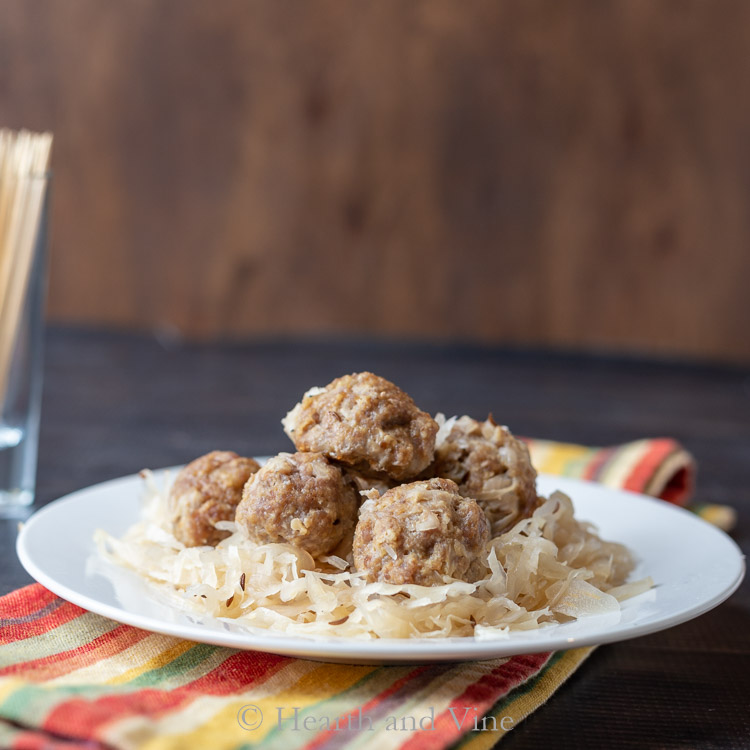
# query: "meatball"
{"type": "Point", "coordinates": [421, 533]}
{"type": "Point", "coordinates": [299, 498]}
{"type": "Point", "coordinates": [367, 423]}
{"type": "Point", "coordinates": [490, 465]}
{"type": "Point", "coordinates": [205, 491]}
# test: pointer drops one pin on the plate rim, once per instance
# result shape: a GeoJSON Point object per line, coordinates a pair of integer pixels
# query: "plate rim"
{"type": "Point", "coordinates": [384, 650]}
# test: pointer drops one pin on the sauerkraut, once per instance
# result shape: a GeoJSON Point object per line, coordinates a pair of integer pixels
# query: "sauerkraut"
{"type": "Point", "coordinates": [548, 568]}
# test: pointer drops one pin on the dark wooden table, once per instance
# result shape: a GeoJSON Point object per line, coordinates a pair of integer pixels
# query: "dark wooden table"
{"type": "Point", "coordinates": [116, 403]}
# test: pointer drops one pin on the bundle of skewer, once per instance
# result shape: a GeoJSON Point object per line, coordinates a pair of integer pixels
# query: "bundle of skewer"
{"type": "Point", "coordinates": [24, 161]}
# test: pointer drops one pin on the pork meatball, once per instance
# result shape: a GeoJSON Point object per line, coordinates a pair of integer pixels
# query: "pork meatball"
{"type": "Point", "coordinates": [490, 465]}
{"type": "Point", "coordinates": [424, 532]}
{"type": "Point", "coordinates": [302, 499]}
{"type": "Point", "coordinates": [205, 491]}
{"type": "Point", "coordinates": [367, 423]}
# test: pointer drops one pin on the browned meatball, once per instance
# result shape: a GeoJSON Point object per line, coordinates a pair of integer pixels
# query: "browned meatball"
{"type": "Point", "coordinates": [490, 465]}
{"type": "Point", "coordinates": [365, 422]}
{"type": "Point", "coordinates": [208, 490]}
{"type": "Point", "coordinates": [299, 498]}
{"type": "Point", "coordinates": [421, 533]}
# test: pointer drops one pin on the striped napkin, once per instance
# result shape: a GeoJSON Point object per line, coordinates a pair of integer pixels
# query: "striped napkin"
{"type": "Point", "coordinates": [71, 679]}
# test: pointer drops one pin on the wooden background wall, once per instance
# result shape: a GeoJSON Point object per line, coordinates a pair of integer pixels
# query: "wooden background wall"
{"type": "Point", "coordinates": [542, 172]}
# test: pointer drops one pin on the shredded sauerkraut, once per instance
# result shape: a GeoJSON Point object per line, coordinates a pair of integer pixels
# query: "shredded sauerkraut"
{"type": "Point", "coordinates": [548, 568]}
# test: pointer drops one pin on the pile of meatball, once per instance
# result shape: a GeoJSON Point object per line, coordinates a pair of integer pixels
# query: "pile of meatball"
{"type": "Point", "coordinates": [368, 484]}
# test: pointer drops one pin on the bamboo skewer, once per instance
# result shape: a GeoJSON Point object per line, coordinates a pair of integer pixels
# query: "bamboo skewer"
{"type": "Point", "coordinates": [24, 161]}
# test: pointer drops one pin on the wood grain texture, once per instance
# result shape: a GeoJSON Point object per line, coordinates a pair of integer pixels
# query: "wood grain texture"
{"type": "Point", "coordinates": [574, 174]}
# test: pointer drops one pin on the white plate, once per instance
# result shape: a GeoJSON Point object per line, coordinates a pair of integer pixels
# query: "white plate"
{"type": "Point", "coordinates": [694, 566]}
